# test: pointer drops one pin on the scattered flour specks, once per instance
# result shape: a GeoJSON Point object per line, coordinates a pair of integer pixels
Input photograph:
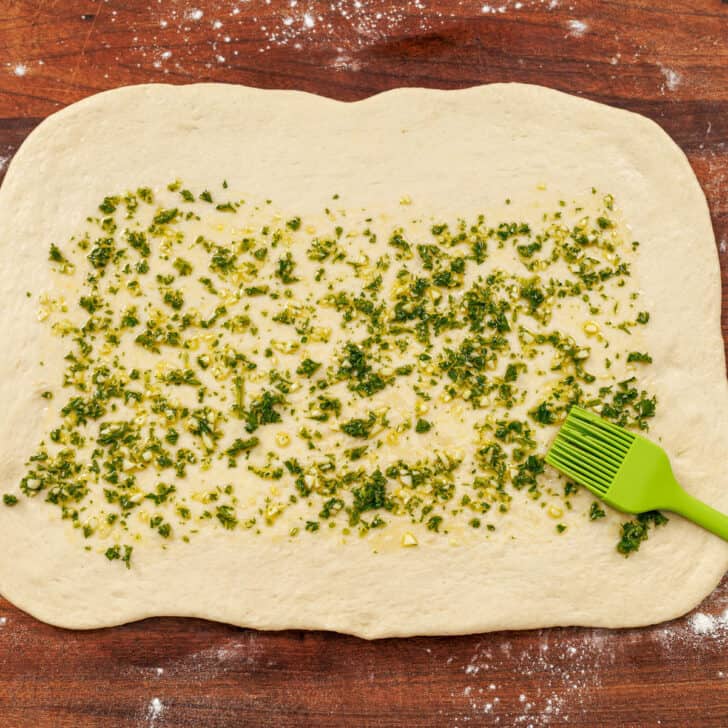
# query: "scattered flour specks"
{"type": "Point", "coordinates": [699, 630]}
{"type": "Point", "coordinates": [344, 62]}
{"type": "Point", "coordinates": [577, 27]}
{"type": "Point", "coordinates": [672, 78]}
{"type": "Point", "coordinates": [244, 651]}
{"type": "Point", "coordinates": [563, 671]}
{"type": "Point", "coordinates": [198, 33]}
{"type": "Point", "coordinates": [154, 711]}
{"type": "Point", "coordinates": [723, 247]}
{"type": "Point", "coordinates": [3, 620]}
{"type": "Point", "coordinates": [506, 5]}
{"type": "Point", "coordinates": [557, 676]}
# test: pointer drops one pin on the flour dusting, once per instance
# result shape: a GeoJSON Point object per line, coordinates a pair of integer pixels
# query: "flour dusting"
{"type": "Point", "coordinates": [672, 78]}
{"type": "Point", "coordinates": [345, 62]}
{"type": "Point", "coordinates": [154, 711]}
{"type": "Point", "coordinates": [563, 669]}
{"type": "Point", "coordinates": [197, 35]}
{"type": "Point", "coordinates": [700, 630]}
{"type": "Point", "coordinates": [557, 677]}
{"type": "Point", "coordinates": [505, 6]}
{"type": "Point", "coordinates": [707, 624]}
{"type": "Point", "coordinates": [577, 27]}
{"type": "Point", "coordinates": [3, 621]}
{"type": "Point", "coordinates": [243, 651]}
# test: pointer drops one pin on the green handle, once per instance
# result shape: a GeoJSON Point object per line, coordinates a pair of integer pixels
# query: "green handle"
{"type": "Point", "coordinates": [698, 512]}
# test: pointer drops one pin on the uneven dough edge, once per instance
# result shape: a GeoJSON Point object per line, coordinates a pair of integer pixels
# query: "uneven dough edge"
{"type": "Point", "coordinates": [696, 272]}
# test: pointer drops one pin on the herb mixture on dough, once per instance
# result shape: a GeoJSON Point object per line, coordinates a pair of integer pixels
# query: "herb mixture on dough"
{"type": "Point", "coordinates": [341, 374]}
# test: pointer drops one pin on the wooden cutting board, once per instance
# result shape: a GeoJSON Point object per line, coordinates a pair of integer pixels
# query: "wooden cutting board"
{"type": "Point", "coordinates": [667, 60]}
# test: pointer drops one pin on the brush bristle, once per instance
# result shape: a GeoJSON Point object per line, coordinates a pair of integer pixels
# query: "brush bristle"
{"type": "Point", "coordinates": [589, 450]}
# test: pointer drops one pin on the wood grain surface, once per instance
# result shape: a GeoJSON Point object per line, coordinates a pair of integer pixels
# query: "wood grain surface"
{"type": "Point", "coordinates": [667, 60]}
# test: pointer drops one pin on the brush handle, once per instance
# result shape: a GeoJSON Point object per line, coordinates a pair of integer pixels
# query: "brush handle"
{"type": "Point", "coordinates": [694, 510]}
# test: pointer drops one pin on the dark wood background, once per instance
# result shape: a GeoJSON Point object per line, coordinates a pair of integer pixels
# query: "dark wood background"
{"type": "Point", "coordinates": [668, 60]}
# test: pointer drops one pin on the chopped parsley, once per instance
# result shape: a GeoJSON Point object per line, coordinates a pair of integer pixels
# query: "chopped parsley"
{"type": "Point", "coordinates": [308, 367]}
{"type": "Point", "coordinates": [639, 357]}
{"type": "Point", "coordinates": [286, 266]}
{"type": "Point", "coordinates": [165, 216]}
{"type": "Point", "coordinates": [120, 552]}
{"type": "Point", "coordinates": [357, 427]}
{"type": "Point", "coordinates": [634, 532]}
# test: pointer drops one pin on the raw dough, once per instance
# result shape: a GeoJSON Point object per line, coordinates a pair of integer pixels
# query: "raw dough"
{"type": "Point", "coordinates": [455, 153]}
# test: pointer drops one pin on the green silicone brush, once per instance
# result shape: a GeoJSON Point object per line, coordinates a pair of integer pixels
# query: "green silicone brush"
{"type": "Point", "coordinates": [626, 470]}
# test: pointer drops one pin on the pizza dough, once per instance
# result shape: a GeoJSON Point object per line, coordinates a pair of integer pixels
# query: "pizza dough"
{"type": "Point", "coordinates": [448, 154]}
